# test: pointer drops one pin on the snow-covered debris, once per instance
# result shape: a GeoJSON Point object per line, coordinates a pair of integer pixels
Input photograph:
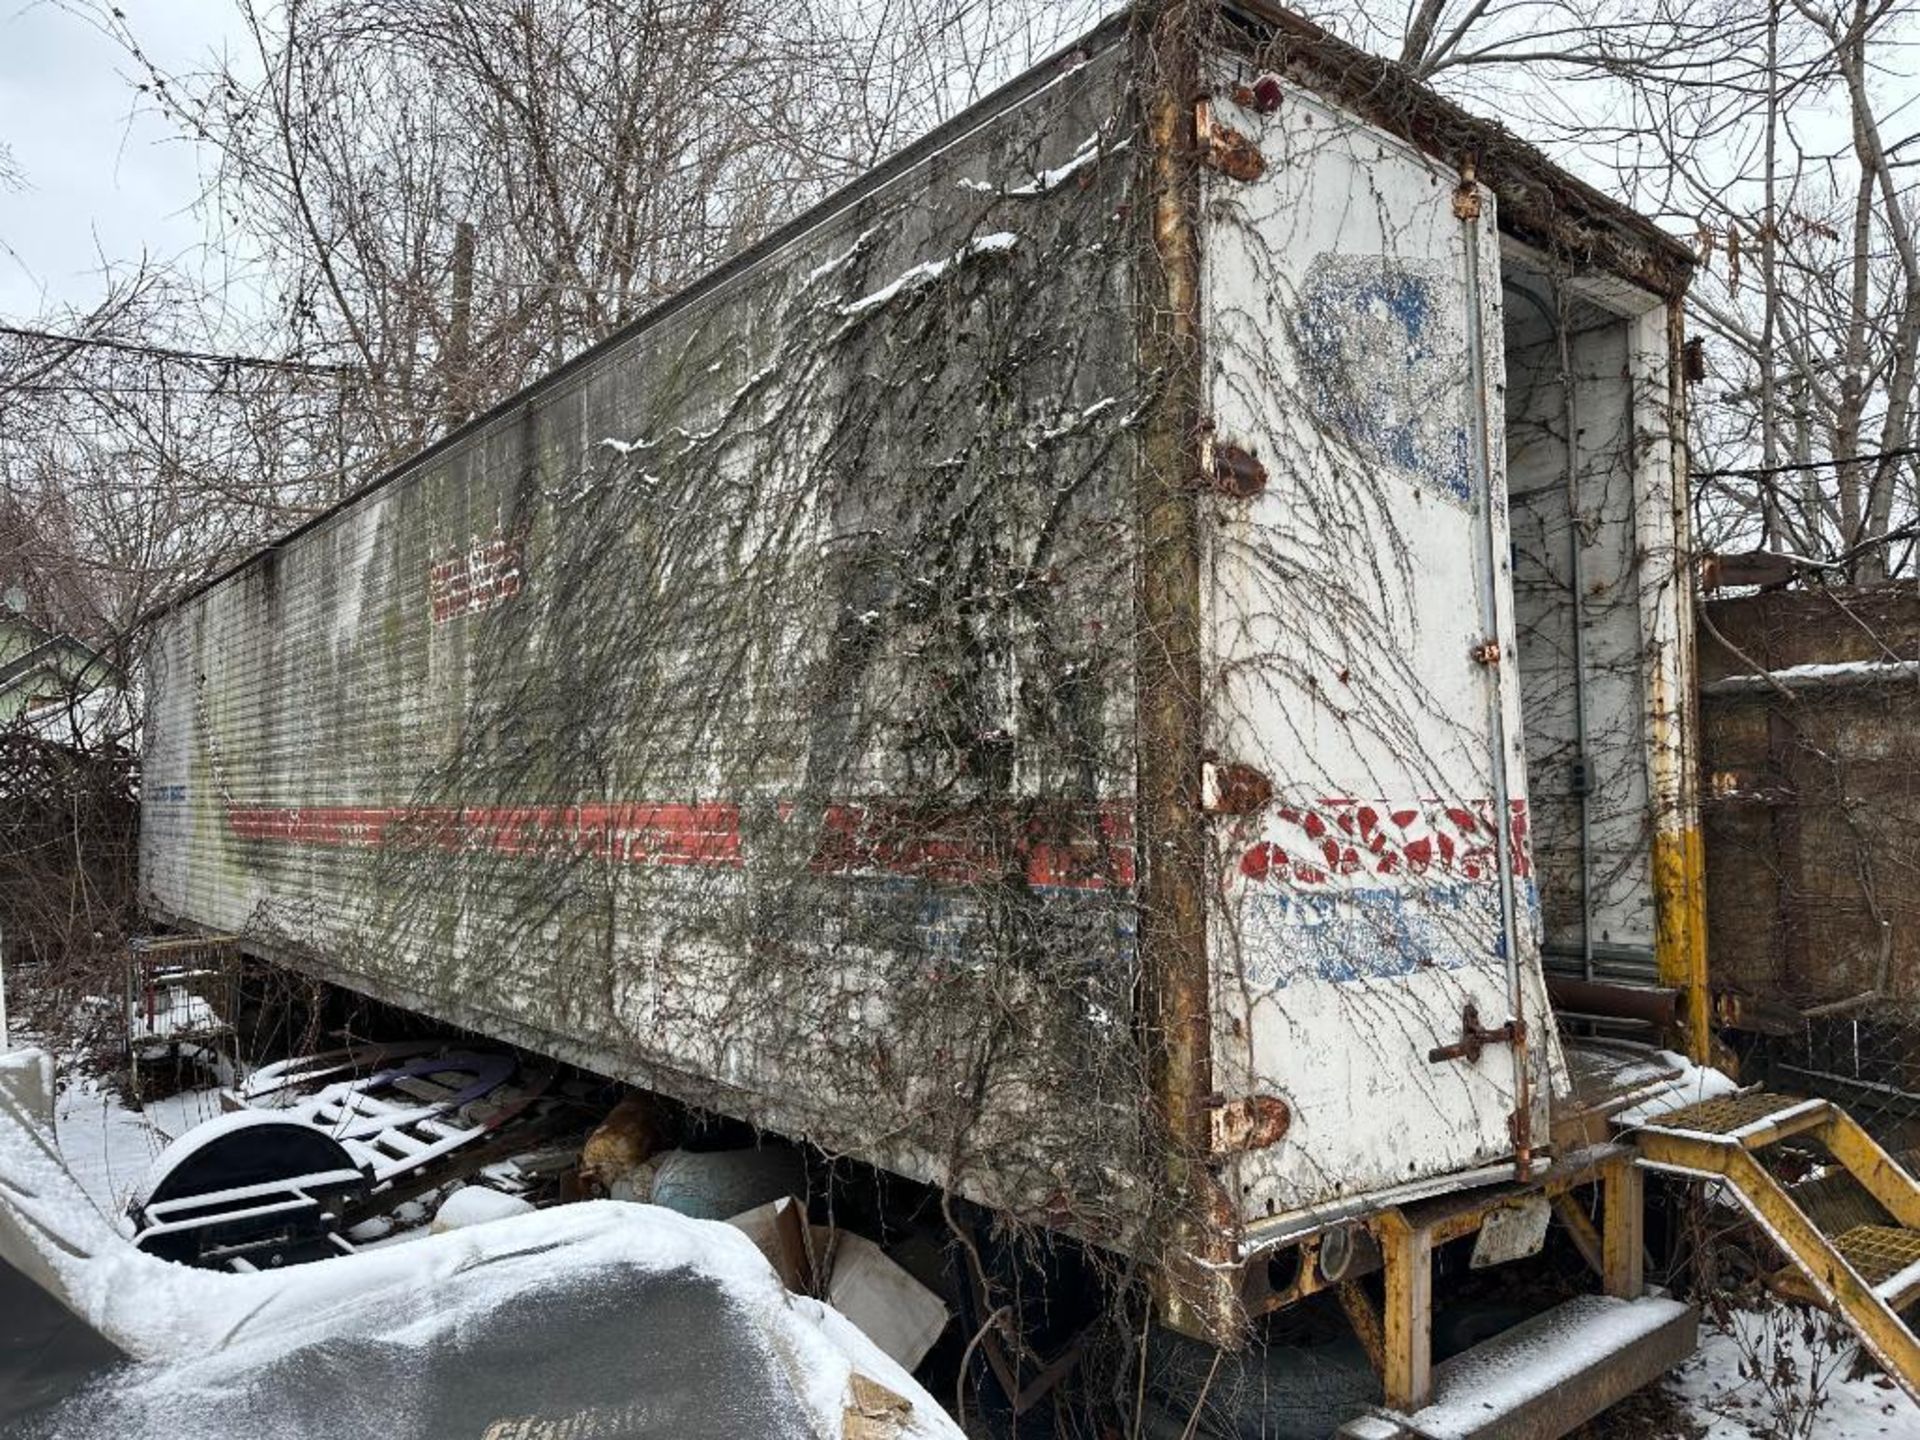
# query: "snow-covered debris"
{"type": "Point", "coordinates": [414, 1321]}
{"type": "Point", "coordinates": [173, 1011]}
{"type": "Point", "coordinates": [924, 274]}
{"type": "Point", "coordinates": [477, 1205]}
{"type": "Point", "coordinates": [1804, 677]}
{"type": "Point", "coordinates": [1536, 1358]}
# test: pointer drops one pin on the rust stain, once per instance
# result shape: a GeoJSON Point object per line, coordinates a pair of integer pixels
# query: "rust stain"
{"type": "Point", "coordinates": [1235, 789]}
{"type": "Point", "coordinates": [1234, 471]}
{"type": "Point", "coordinates": [1256, 1122]}
{"type": "Point", "coordinates": [1224, 148]}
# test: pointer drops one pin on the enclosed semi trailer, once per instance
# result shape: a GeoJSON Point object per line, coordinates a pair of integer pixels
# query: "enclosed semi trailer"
{"type": "Point", "coordinates": [1089, 671]}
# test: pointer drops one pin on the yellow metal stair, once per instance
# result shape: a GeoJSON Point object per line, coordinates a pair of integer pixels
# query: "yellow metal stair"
{"type": "Point", "coordinates": [1867, 1273]}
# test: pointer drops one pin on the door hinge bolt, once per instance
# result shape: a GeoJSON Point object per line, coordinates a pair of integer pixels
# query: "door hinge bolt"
{"type": "Point", "coordinates": [1224, 148]}
{"type": "Point", "coordinates": [1231, 470]}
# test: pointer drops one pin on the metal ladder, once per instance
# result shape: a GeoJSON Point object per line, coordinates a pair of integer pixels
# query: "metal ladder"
{"type": "Point", "coordinates": [1867, 1273]}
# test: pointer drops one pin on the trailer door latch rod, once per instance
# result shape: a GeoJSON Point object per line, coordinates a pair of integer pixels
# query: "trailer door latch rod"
{"type": "Point", "coordinates": [1475, 1037]}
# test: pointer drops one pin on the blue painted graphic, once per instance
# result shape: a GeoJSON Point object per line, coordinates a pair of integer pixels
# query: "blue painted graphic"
{"type": "Point", "coordinates": [1383, 354]}
{"type": "Point", "coordinates": [1374, 933]}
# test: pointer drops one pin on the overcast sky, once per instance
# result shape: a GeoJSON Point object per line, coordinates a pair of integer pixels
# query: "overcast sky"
{"type": "Point", "coordinates": [104, 177]}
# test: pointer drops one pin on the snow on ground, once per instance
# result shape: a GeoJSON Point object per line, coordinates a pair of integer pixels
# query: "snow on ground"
{"type": "Point", "coordinates": [174, 1116]}
{"type": "Point", "coordinates": [1760, 1380]}
{"type": "Point", "coordinates": [107, 1146]}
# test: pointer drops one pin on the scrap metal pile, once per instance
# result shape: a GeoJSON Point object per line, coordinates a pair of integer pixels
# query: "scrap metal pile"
{"type": "Point", "coordinates": [320, 1154]}
{"type": "Point", "coordinates": [325, 1154]}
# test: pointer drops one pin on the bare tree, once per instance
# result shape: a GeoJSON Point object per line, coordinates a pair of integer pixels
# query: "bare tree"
{"type": "Point", "coordinates": [453, 196]}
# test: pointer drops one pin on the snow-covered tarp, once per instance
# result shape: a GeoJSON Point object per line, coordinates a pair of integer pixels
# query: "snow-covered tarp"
{"type": "Point", "coordinates": [598, 1319]}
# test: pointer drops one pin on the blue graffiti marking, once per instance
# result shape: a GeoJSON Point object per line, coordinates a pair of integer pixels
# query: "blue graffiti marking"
{"type": "Point", "coordinates": [1375, 933]}
{"type": "Point", "coordinates": [1384, 364]}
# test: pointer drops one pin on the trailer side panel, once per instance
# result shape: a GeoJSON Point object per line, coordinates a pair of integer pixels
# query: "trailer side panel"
{"type": "Point", "coordinates": [750, 712]}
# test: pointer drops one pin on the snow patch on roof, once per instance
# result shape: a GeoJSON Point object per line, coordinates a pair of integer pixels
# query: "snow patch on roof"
{"type": "Point", "coordinates": [928, 271]}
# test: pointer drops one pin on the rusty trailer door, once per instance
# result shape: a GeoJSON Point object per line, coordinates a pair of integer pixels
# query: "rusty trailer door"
{"type": "Point", "coordinates": [1375, 928]}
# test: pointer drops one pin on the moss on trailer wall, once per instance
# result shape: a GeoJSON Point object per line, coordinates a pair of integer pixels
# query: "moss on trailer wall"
{"type": "Point", "coordinates": [748, 711]}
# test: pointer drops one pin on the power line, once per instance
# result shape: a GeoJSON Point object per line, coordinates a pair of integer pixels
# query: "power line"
{"type": "Point", "coordinates": [166, 352]}
{"type": "Point", "coordinates": [1760, 472]}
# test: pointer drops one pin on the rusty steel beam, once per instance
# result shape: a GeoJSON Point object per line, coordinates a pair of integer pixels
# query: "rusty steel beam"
{"type": "Point", "coordinates": [1657, 1006]}
{"type": "Point", "coordinates": [1196, 1287]}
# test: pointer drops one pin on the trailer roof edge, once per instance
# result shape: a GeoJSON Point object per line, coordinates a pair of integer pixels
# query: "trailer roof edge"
{"type": "Point", "coordinates": [1110, 31]}
{"type": "Point", "coordinates": [1541, 201]}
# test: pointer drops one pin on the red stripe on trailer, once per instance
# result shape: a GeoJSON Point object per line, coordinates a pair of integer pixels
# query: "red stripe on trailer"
{"type": "Point", "coordinates": [1075, 847]}
{"type": "Point", "coordinates": [653, 834]}
{"type": "Point", "coordinates": [1069, 847]}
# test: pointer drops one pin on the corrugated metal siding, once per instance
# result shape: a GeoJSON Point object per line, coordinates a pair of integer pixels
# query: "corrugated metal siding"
{"type": "Point", "coordinates": [749, 712]}
{"type": "Point", "coordinates": [1613, 579]}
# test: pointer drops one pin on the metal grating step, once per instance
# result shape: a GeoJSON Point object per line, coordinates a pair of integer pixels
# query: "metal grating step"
{"type": "Point", "coordinates": [1886, 1257]}
{"type": "Point", "coordinates": [1880, 1253]}
{"type": "Point", "coordinates": [1733, 1116]}
{"type": "Point", "coordinates": [1867, 1273]}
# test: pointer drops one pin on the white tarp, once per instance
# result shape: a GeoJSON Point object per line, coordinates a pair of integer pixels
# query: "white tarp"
{"type": "Point", "coordinates": [613, 1319]}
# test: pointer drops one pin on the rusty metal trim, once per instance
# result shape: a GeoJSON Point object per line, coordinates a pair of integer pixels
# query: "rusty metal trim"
{"type": "Point", "coordinates": [1231, 470]}
{"type": "Point", "coordinates": [1224, 148]}
{"type": "Point", "coordinates": [1195, 1286]}
{"type": "Point", "coordinates": [1254, 1122]}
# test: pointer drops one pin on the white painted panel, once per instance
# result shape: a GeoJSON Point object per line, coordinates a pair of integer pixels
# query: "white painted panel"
{"type": "Point", "coordinates": [1361, 912]}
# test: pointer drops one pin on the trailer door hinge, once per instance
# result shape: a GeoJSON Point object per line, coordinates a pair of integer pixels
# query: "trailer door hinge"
{"type": "Point", "coordinates": [1252, 1123]}
{"type": "Point", "coordinates": [1466, 199]}
{"type": "Point", "coordinates": [1231, 470]}
{"type": "Point", "coordinates": [1224, 148]}
{"type": "Point", "coordinates": [1475, 1037]}
{"type": "Point", "coordinates": [1232, 789]}
{"type": "Point", "coordinates": [1487, 652]}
